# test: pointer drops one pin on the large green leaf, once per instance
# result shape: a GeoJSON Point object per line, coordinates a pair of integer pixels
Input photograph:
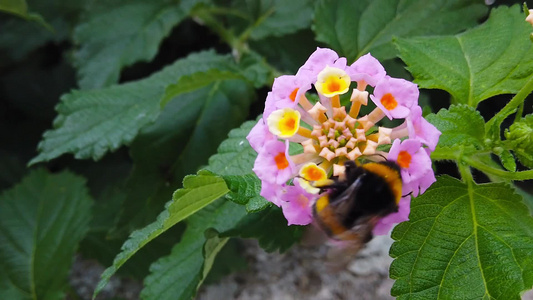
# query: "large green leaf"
{"type": "Point", "coordinates": [16, 7]}
{"type": "Point", "coordinates": [494, 58]}
{"type": "Point", "coordinates": [178, 275]}
{"type": "Point", "coordinates": [42, 220]}
{"type": "Point", "coordinates": [20, 8]}
{"type": "Point", "coordinates": [258, 19]}
{"type": "Point", "coordinates": [198, 191]}
{"type": "Point", "coordinates": [354, 28]}
{"type": "Point", "coordinates": [279, 17]}
{"type": "Point", "coordinates": [118, 33]}
{"type": "Point", "coordinates": [19, 37]}
{"type": "Point", "coordinates": [196, 81]}
{"type": "Point", "coordinates": [235, 160]}
{"type": "Point", "coordinates": [243, 188]}
{"type": "Point", "coordinates": [464, 242]}
{"type": "Point", "coordinates": [527, 195]}
{"type": "Point", "coordinates": [281, 54]}
{"type": "Point", "coordinates": [90, 123]}
{"type": "Point", "coordinates": [251, 68]}
{"type": "Point", "coordinates": [182, 139]}
{"type": "Point", "coordinates": [459, 125]}
{"type": "Point", "coordinates": [234, 155]}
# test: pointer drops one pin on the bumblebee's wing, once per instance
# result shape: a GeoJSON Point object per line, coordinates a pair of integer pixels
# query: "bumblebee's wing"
{"type": "Point", "coordinates": [344, 250]}
{"type": "Point", "coordinates": [344, 203]}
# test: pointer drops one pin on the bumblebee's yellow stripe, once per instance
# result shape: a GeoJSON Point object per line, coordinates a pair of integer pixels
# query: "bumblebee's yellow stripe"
{"type": "Point", "coordinates": [391, 176]}
{"type": "Point", "coordinates": [323, 183]}
{"type": "Point", "coordinates": [321, 203]}
{"type": "Point", "coordinates": [326, 217]}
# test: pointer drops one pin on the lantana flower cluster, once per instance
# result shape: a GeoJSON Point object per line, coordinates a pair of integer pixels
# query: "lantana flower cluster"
{"type": "Point", "coordinates": [306, 133]}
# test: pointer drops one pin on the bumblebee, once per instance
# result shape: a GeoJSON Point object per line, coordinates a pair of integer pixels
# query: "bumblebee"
{"type": "Point", "coordinates": [350, 207]}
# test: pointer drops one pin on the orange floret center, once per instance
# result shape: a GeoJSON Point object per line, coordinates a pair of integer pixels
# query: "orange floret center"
{"type": "Point", "coordinates": [333, 86]}
{"type": "Point", "coordinates": [292, 96]}
{"type": "Point", "coordinates": [288, 124]}
{"type": "Point", "coordinates": [404, 159]}
{"type": "Point", "coordinates": [281, 161]}
{"type": "Point", "coordinates": [388, 101]}
{"type": "Point", "coordinates": [313, 173]}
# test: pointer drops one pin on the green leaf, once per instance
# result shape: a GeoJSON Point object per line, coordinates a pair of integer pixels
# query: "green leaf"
{"type": "Point", "coordinates": [270, 228]}
{"type": "Point", "coordinates": [354, 28]}
{"type": "Point", "coordinates": [242, 188]}
{"type": "Point", "coordinates": [198, 191]}
{"type": "Point", "coordinates": [178, 275]}
{"type": "Point", "coordinates": [235, 160]}
{"type": "Point", "coordinates": [196, 81]}
{"type": "Point", "coordinates": [508, 160]}
{"type": "Point", "coordinates": [119, 33]}
{"type": "Point", "coordinates": [492, 59]}
{"type": "Point", "coordinates": [212, 246]}
{"type": "Point", "coordinates": [279, 17]}
{"type": "Point", "coordinates": [255, 68]}
{"type": "Point", "coordinates": [526, 195]}
{"type": "Point", "coordinates": [281, 54]}
{"type": "Point", "coordinates": [460, 125]}
{"type": "Point", "coordinates": [20, 8]}
{"type": "Point", "coordinates": [182, 139]}
{"type": "Point", "coordinates": [252, 68]}
{"type": "Point", "coordinates": [257, 203]}
{"type": "Point", "coordinates": [235, 156]}
{"type": "Point", "coordinates": [90, 123]}
{"type": "Point", "coordinates": [16, 7]}
{"type": "Point", "coordinates": [464, 242]}
{"type": "Point", "coordinates": [19, 37]}
{"type": "Point", "coordinates": [258, 19]}
{"type": "Point", "coordinates": [42, 220]}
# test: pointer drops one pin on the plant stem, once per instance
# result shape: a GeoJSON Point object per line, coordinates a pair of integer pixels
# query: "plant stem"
{"type": "Point", "coordinates": [515, 102]}
{"type": "Point", "coordinates": [519, 112]}
{"type": "Point", "coordinates": [466, 174]}
{"type": "Point", "coordinates": [458, 156]}
{"type": "Point", "coordinates": [243, 38]}
{"type": "Point", "coordinates": [518, 176]}
{"type": "Point", "coordinates": [205, 16]}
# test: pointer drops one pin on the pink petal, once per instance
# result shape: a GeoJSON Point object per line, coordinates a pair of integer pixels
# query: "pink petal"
{"type": "Point", "coordinates": [367, 68]}
{"type": "Point", "coordinates": [259, 135]}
